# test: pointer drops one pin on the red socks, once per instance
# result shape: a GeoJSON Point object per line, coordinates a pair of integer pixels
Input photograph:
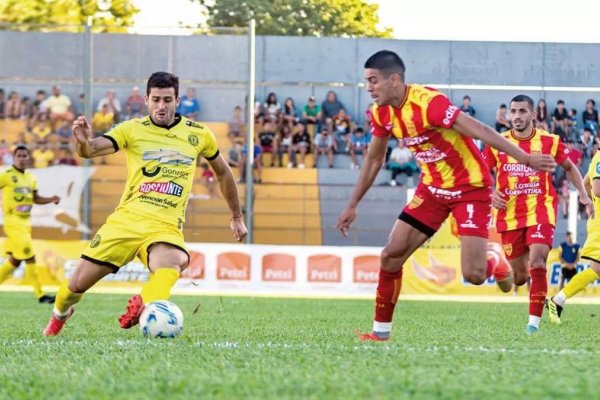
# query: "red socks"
{"type": "Point", "coordinates": [388, 291]}
{"type": "Point", "coordinates": [538, 291]}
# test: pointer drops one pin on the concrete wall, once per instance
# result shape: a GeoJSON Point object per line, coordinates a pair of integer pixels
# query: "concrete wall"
{"type": "Point", "coordinates": [296, 67]}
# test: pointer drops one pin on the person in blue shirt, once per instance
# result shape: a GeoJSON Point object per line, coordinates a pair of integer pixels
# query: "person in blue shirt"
{"type": "Point", "coordinates": [569, 255]}
{"type": "Point", "coordinates": [257, 162]}
{"type": "Point", "coordinates": [189, 106]}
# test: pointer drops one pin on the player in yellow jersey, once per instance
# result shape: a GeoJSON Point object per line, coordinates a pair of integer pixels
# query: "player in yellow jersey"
{"type": "Point", "coordinates": [590, 250]}
{"type": "Point", "coordinates": [161, 151]}
{"type": "Point", "coordinates": [19, 194]}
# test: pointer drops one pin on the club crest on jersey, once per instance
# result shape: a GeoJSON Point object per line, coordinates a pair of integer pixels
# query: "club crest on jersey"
{"type": "Point", "coordinates": [172, 157]}
{"type": "Point", "coordinates": [96, 241]}
{"type": "Point", "coordinates": [193, 139]}
{"type": "Point", "coordinates": [14, 179]}
{"type": "Point", "coordinates": [415, 202]}
{"type": "Point", "coordinates": [507, 248]}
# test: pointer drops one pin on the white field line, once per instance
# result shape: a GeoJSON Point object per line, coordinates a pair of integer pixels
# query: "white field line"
{"type": "Point", "coordinates": [145, 343]}
{"type": "Point", "coordinates": [508, 298]}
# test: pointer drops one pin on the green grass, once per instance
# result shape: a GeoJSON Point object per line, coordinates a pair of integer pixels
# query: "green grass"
{"type": "Point", "coordinates": [304, 349]}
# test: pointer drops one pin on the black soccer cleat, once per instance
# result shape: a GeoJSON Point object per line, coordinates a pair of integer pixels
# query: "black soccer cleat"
{"type": "Point", "coordinates": [46, 299]}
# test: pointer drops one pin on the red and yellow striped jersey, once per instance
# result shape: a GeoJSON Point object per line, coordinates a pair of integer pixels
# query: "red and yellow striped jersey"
{"type": "Point", "coordinates": [424, 121]}
{"type": "Point", "coordinates": [531, 198]}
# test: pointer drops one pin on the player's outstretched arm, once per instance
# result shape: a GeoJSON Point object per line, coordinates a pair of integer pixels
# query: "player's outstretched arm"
{"type": "Point", "coordinates": [85, 145]}
{"type": "Point", "coordinates": [230, 193]}
{"type": "Point", "coordinates": [37, 199]}
{"type": "Point", "coordinates": [574, 176]}
{"type": "Point", "coordinates": [372, 164]}
{"type": "Point", "coordinates": [469, 126]}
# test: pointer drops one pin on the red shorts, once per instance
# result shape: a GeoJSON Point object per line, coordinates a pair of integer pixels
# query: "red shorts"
{"type": "Point", "coordinates": [431, 206]}
{"type": "Point", "coordinates": [516, 242]}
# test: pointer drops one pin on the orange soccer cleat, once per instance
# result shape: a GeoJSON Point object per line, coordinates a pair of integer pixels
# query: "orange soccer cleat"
{"type": "Point", "coordinates": [502, 272]}
{"type": "Point", "coordinates": [56, 324]}
{"type": "Point", "coordinates": [370, 337]}
{"type": "Point", "coordinates": [135, 306]}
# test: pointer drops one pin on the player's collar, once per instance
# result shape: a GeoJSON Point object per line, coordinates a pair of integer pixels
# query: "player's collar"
{"type": "Point", "coordinates": [532, 134]}
{"type": "Point", "coordinates": [175, 122]}
{"type": "Point", "coordinates": [20, 170]}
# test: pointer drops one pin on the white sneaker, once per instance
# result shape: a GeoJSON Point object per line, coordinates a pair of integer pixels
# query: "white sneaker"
{"type": "Point", "coordinates": [393, 182]}
{"type": "Point", "coordinates": [301, 166]}
{"type": "Point", "coordinates": [290, 165]}
{"type": "Point", "coordinates": [352, 166]}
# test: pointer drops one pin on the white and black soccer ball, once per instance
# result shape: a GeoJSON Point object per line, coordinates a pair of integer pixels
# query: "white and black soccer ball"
{"type": "Point", "coordinates": [161, 319]}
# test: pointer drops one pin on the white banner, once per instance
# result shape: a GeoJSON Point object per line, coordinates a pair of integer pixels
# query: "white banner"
{"type": "Point", "coordinates": [68, 183]}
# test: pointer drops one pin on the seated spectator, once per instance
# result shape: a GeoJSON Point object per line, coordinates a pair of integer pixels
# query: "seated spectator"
{"type": "Point", "coordinates": [300, 144]}
{"type": "Point", "coordinates": [20, 140]}
{"type": "Point", "coordinates": [113, 105]}
{"type": "Point", "coordinates": [268, 140]}
{"type": "Point", "coordinates": [590, 117]}
{"type": "Point", "coordinates": [102, 120]}
{"type": "Point", "coordinates": [324, 144]}
{"type": "Point", "coordinates": [401, 161]}
{"type": "Point", "coordinates": [208, 180]}
{"type": "Point", "coordinates": [257, 163]}
{"type": "Point", "coordinates": [572, 125]}
{"type": "Point", "coordinates": [541, 117]}
{"type": "Point", "coordinates": [6, 156]}
{"type": "Point", "coordinates": [560, 119]}
{"type": "Point", "coordinates": [41, 131]}
{"type": "Point", "coordinates": [135, 106]}
{"type": "Point", "coordinates": [289, 114]}
{"type": "Point", "coordinates": [26, 108]}
{"type": "Point", "coordinates": [331, 106]}
{"type": "Point", "coordinates": [189, 106]}
{"type": "Point", "coordinates": [2, 104]}
{"type": "Point", "coordinates": [234, 155]}
{"type": "Point", "coordinates": [58, 107]}
{"type": "Point", "coordinates": [78, 107]}
{"type": "Point", "coordinates": [312, 115]}
{"type": "Point", "coordinates": [563, 197]}
{"type": "Point", "coordinates": [236, 128]}
{"type": "Point", "coordinates": [43, 156]}
{"type": "Point", "coordinates": [64, 133]}
{"type": "Point", "coordinates": [574, 154]}
{"type": "Point", "coordinates": [466, 107]}
{"type": "Point", "coordinates": [502, 121]}
{"type": "Point", "coordinates": [368, 117]}
{"type": "Point", "coordinates": [66, 157]}
{"type": "Point", "coordinates": [342, 126]}
{"type": "Point", "coordinates": [285, 146]}
{"type": "Point", "coordinates": [359, 145]}
{"type": "Point", "coordinates": [14, 108]}
{"type": "Point", "coordinates": [272, 109]}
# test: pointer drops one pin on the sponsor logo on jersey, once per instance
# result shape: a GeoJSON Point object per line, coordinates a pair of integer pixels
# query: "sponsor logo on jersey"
{"type": "Point", "coordinates": [170, 188]}
{"type": "Point", "coordinates": [444, 193]}
{"type": "Point", "coordinates": [194, 124]}
{"type": "Point", "coordinates": [449, 113]}
{"type": "Point", "coordinates": [166, 172]}
{"type": "Point", "coordinates": [164, 156]}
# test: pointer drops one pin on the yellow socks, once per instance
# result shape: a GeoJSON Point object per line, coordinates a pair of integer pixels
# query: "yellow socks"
{"type": "Point", "coordinates": [6, 270]}
{"type": "Point", "coordinates": [32, 276]}
{"type": "Point", "coordinates": [65, 299]}
{"type": "Point", "coordinates": [160, 284]}
{"type": "Point", "coordinates": [579, 282]}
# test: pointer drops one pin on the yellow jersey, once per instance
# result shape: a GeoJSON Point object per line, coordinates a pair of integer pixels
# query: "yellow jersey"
{"type": "Point", "coordinates": [161, 163]}
{"type": "Point", "coordinates": [594, 173]}
{"type": "Point", "coordinates": [17, 195]}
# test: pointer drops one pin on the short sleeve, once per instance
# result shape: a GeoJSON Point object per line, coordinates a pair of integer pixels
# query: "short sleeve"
{"type": "Point", "coordinates": [562, 153]}
{"type": "Point", "coordinates": [594, 171]}
{"type": "Point", "coordinates": [118, 135]}
{"type": "Point", "coordinates": [488, 156]}
{"type": "Point", "coordinates": [381, 119]}
{"type": "Point", "coordinates": [209, 149]}
{"type": "Point", "coordinates": [441, 112]}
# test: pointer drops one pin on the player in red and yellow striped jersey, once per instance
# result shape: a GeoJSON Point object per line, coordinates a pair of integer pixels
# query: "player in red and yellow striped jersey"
{"type": "Point", "coordinates": [454, 180]}
{"type": "Point", "coordinates": [526, 202]}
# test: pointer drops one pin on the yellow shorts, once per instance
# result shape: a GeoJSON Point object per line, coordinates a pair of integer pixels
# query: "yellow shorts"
{"type": "Point", "coordinates": [125, 236]}
{"type": "Point", "coordinates": [18, 241]}
{"type": "Point", "coordinates": [591, 248]}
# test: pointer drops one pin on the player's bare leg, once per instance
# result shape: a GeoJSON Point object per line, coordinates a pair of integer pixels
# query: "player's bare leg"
{"type": "Point", "coordinates": [85, 276]}
{"type": "Point", "coordinates": [473, 258]}
{"type": "Point", "coordinates": [165, 263]}
{"type": "Point", "coordinates": [402, 243]}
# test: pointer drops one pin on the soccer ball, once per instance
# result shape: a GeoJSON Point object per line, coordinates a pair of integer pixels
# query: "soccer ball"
{"type": "Point", "coordinates": [161, 319]}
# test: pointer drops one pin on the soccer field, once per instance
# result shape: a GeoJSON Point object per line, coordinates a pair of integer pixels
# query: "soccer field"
{"type": "Point", "coordinates": [288, 348]}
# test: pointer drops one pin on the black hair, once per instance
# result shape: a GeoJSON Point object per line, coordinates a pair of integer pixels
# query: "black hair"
{"type": "Point", "coordinates": [163, 80]}
{"type": "Point", "coordinates": [592, 101]}
{"type": "Point", "coordinates": [502, 105]}
{"type": "Point", "coordinates": [560, 102]}
{"type": "Point", "coordinates": [523, 97]}
{"type": "Point", "coordinates": [386, 61]}
{"type": "Point", "coordinates": [21, 147]}
{"type": "Point", "coordinates": [467, 97]}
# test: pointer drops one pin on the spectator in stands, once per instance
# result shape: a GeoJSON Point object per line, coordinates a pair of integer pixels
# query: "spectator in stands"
{"type": "Point", "coordinates": [43, 156]}
{"type": "Point", "coordinates": [66, 157]}
{"type": "Point", "coordinates": [41, 130]}
{"type": "Point", "coordinates": [236, 127]}
{"type": "Point", "coordinates": [64, 134]}
{"type": "Point", "coordinates": [589, 116]}
{"type": "Point", "coordinates": [466, 107]}
{"type": "Point", "coordinates": [189, 106]}
{"type": "Point", "coordinates": [79, 106]}
{"type": "Point", "coordinates": [234, 155]}
{"type": "Point", "coordinates": [301, 143]}
{"type": "Point", "coordinates": [563, 199]}
{"type": "Point", "coordinates": [560, 120]}
{"type": "Point", "coordinates": [359, 145]}
{"type": "Point", "coordinates": [113, 105]}
{"type": "Point", "coordinates": [368, 119]}
{"type": "Point", "coordinates": [574, 154]}
{"type": "Point", "coordinates": [268, 140]}
{"type": "Point", "coordinates": [209, 180]}
{"type": "Point", "coordinates": [14, 108]}
{"type": "Point", "coordinates": [257, 163]}
{"type": "Point", "coordinates": [401, 161]}
{"type": "Point", "coordinates": [58, 107]}
{"type": "Point", "coordinates": [26, 108]}
{"type": "Point", "coordinates": [541, 117]}
{"type": "Point", "coordinates": [2, 104]}
{"type": "Point", "coordinates": [324, 144]}
{"type": "Point", "coordinates": [20, 140]}
{"type": "Point", "coordinates": [285, 146]}
{"type": "Point", "coordinates": [342, 126]}
{"type": "Point", "coordinates": [568, 253]}
{"type": "Point", "coordinates": [587, 142]}
{"type": "Point", "coordinates": [312, 114]}
{"type": "Point", "coordinates": [135, 106]}
{"type": "Point", "coordinates": [102, 120]}
{"type": "Point", "coordinates": [572, 124]}
{"type": "Point", "coordinates": [289, 113]}
{"type": "Point", "coordinates": [272, 108]}
{"type": "Point", "coordinates": [6, 156]}
{"type": "Point", "coordinates": [331, 106]}
{"type": "Point", "coordinates": [502, 121]}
